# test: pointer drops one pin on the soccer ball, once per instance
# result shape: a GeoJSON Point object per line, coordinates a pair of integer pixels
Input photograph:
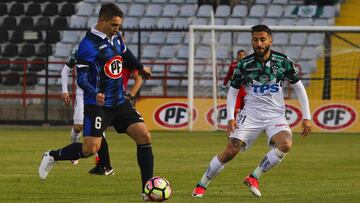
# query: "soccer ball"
{"type": "Point", "coordinates": [158, 189]}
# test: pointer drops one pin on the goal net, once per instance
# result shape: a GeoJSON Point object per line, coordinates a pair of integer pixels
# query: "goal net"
{"type": "Point", "coordinates": [327, 58]}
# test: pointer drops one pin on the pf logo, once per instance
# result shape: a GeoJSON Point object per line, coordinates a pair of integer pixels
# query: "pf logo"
{"type": "Point", "coordinates": [113, 67]}
{"type": "Point", "coordinates": [221, 116]}
{"type": "Point", "coordinates": [293, 115]}
{"type": "Point", "coordinates": [334, 117]}
{"type": "Point", "coordinates": [173, 115]}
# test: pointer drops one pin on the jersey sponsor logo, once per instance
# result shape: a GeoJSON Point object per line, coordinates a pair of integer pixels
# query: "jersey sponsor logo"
{"type": "Point", "coordinates": [334, 117]}
{"type": "Point", "coordinates": [221, 116]}
{"type": "Point", "coordinates": [293, 115]}
{"type": "Point", "coordinates": [113, 67]}
{"type": "Point", "coordinates": [265, 88]}
{"type": "Point", "coordinates": [173, 115]}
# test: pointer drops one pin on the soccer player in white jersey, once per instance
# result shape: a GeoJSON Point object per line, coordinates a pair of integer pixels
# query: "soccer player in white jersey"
{"type": "Point", "coordinates": [79, 100]}
{"type": "Point", "coordinates": [262, 74]}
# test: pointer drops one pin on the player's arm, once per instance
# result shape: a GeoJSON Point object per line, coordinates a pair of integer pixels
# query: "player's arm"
{"type": "Point", "coordinates": [137, 85]}
{"type": "Point", "coordinates": [131, 61]}
{"type": "Point", "coordinates": [64, 84]}
{"type": "Point", "coordinates": [293, 77]}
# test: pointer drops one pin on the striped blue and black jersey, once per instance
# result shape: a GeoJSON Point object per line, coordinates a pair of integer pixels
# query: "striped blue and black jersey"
{"type": "Point", "coordinates": [99, 68]}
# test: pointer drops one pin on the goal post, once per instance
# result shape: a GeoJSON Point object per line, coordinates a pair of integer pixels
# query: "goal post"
{"type": "Point", "coordinates": [327, 50]}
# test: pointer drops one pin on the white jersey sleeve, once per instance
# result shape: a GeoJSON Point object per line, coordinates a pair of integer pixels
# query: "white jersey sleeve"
{"type": "Point", "coordinates": [231, 102]}
{"type": "Point", "coordinates": [65, 78]}
{"type": "Point", "coordinates": [303, 99]}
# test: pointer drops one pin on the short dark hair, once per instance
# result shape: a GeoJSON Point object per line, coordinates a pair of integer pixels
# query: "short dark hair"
{"type": "Point", "coordinates": [241, 50]}
{"type": "Point", "coordinates": [261, 28]}
{"type": "Point", "coordinates": [109, 10]}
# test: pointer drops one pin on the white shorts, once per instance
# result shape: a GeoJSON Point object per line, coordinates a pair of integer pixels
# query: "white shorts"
{"type": "Point", "coordinates": [250, 127]}
{"type": "Point", "coordinates": [79, 109]}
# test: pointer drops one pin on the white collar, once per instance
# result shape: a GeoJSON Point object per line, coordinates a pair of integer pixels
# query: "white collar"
{"type": "Point", "coordinates": [100, 34]}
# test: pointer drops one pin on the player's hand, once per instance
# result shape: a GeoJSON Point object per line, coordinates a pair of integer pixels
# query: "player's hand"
{"type": "Point", "coordinates": [306, 126]}
{"type": "Point", "coordinates": [232, 125]}
{"type": "Point", "coordinates": [130, 99]}
{"type": "Point", "coordinates": [66, 98]}
{"type": "Point", "coordinates": [100, 99]}
{"type": "Point", "coordinates": [146, 72]}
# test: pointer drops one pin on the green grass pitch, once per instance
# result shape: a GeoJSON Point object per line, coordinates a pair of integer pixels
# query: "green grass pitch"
{"type": "Point", "coordinates": [320, 168]}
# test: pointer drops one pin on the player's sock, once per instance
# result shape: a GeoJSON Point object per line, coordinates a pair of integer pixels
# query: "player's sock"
{"type": "Point", "coordinates": [146, 162]}
{"type": "Point", "coordinates": [103, 153]}
{"type": "Point", "coordinates": [271, 159]}
{"type": "Point", "coordinates": [75, 136]}
{"type": "Point", "coordinates": [214, 169]}
{"type": "Point", "coordinates": [70, 152]}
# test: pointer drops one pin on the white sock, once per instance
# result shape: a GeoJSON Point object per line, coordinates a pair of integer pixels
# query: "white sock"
{"type": "Point", "coordinates": [214, 169]}
{"type": "Point", "coordinates": [74, 135]}
{"type": "Point", "coordinates": [271, 159]}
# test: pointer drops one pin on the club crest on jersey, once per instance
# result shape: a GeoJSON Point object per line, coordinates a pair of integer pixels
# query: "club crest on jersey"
{"type": "Point", "coordinates": [264, 78]}
{"type": "Point", "coordinates": [113, 68]}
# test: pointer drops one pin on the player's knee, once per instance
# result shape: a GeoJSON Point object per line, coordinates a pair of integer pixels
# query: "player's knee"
{"type": "Point", "coordinates": [89, 150]}
{"type": "Point", "coordinates": [285, 145]}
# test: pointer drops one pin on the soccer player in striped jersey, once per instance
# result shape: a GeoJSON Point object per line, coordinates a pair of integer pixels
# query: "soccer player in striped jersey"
{"type": "Point", "coordinates": [101, 56]}
{"type": "Point", "coordinates": [262, 74]}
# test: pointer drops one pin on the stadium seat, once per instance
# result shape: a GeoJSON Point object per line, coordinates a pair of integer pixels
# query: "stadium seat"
{"type": "Point", "coordinates": [150, 52]}
{"type": "Point", "coordinates": [287, 21]}
{"type": "Point", "coordinates": [274, 11]}
{"type": "Point", "coordinates": [187, 10]}
{"type": "Point", "coordinates": [55, 66]}
{"type": "Point", "coordinates": [183, 52]}
{"type": "Point", "coordinates": [164, 23]}
{"type": "Point", "coordinates": [3, 9]}
{"type": "Point", "coordinates": [315, 39]}
{"type": "Point", "coordinates": [222, 53]}
{"type": "Point", "coordinates": [17, 36]}
{"type": "Point", "coordinates": [293, 52]}
{"type": "Point", "coordinates": [257, 11]}
{"type": "Point", "coordinates": [202, 52]}
{"type": "Point", "coordinates": [174, 38]}
{"type": "Point", "coordinates": [244, 38]}
{"type": "Point", "coordinates": [130, 22]}
{"type": "Point", "coordinates": [167, 52]}
{"type": "Point", "coordinates": [41, 50]}
{"type": "Point", "coordinates": [199, 21]}
{"type": "Point", "coordinates": [170, 10]}
{"type": "Point", "coordinates": [220, 21]}
{"type": "Point", "coordinates": [197, 38]}
{"type": "Point", "coordinates": [223, 11]}
{"type": "Point", "coordinates": [239, 11]}
{"type": "Point", "coordinates": [288, 12]}
{"type": "Point", "coordinates": [78, 22]}
{"type": "Point", "coordinates": [37, 64]}
{"type": "Point", "coordinates": [309, 53]}
{"type": "Point", "coordinates": [27, 50]}
{"type": "Point", "coordinates": [204, 10]}
{"type": "Point", "coordinates": [69, 36]}
{"type": "Point", "coordinates": [67, 9]}
{"type": "Point", "coordinates": [26, 23]}
{"type": "Point", "coordinates": [226, 38]}
{"type": "Point", "coordinates": [178, 69]}
{"type": "Point", "coordinates": [60, 23]}
{"type": "Point", "coordinates": [157, 38]}
{"type": "Point", "coordinates": [144, 38]}
{"type": "Point", "coordinates": [173, 83]}
{"type": "Point", "coordinates": [43, 23]}
{"type": "Point", "coordinates": [153, 10]}
{"type": "Point", "coordinates": [267, 2]}
{"type": "Point", "coordinates": [304, 21]}
{"type": "Point", "coordinates": [11, 79]}
{"type": "Point", "coordinates": [51, 9]}
{"type": "Point", "coordinates": [328, 12]}
{"type": "Point", "coordinates": [206, 38]}
{"type": "Point", "coordinates": [18, 65]}
{"type": "Point", "coordinates": [281, 38]}
{"type": "Point", "coordinates": [33, 9]}
{"type": "Point", "coordinates": [134, 50]}
{"type": "Point", "coordinates": [270, 21]}
{"type": "Point", "coordinates": [52, 36]}
{"type": "Point", "coordinates": [252, 21]}
{"type": "Point", "coordinates": [84, 9]}
{"type": "Point", "coordinates": [234, 21]}
{"type": "Point", "coordinates": [298, 39]}
{"type": "Point", "coordinates": [4, 36]}
{"type": "Point", "coordinates": [92, 21]}
{"type": "Point", "coordinates": [282, 2]}
{"type": "Point", "coordinates": [31, 79]}
{"type": "Point", "coordinates": [181, 23]}
{"type": "Point", "coordinates": [277, 48]}
{"type": "Point", "coordinates": [17, 9]}
{"type": "Point", "coordinates": [321, 22]}
{"type": "Point", "coordinates": [147, 22]}
{"type": "Point", "coordinates": [63, 50]}
{"type": "Point", "coordinates": [136, 10]}
{"type": "Point", "coordinates": [9, 23]}
{"type": "Point", "coordinates": [5, 64]}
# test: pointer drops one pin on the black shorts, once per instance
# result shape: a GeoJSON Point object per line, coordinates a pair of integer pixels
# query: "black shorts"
{"type": "Point", "coordinates": [97, 119]}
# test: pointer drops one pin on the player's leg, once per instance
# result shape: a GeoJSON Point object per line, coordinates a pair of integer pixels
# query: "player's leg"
{"type": "Point", "coordinates": [92, 140]}
{"type": "Point", "coordinates": [78, 121]}
{"type": "Point", "coordinates": [241, 139]}
{"type": "Point", "coordinates": [102, 160]}
{"type": "Point", "coordinates": [280, 138]}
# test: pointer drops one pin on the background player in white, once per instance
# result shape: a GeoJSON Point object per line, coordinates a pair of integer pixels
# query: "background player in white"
{"type": "Point", "coordinates": [79, 100]}
{"type": "Point", "coordinates": [262, 74]}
